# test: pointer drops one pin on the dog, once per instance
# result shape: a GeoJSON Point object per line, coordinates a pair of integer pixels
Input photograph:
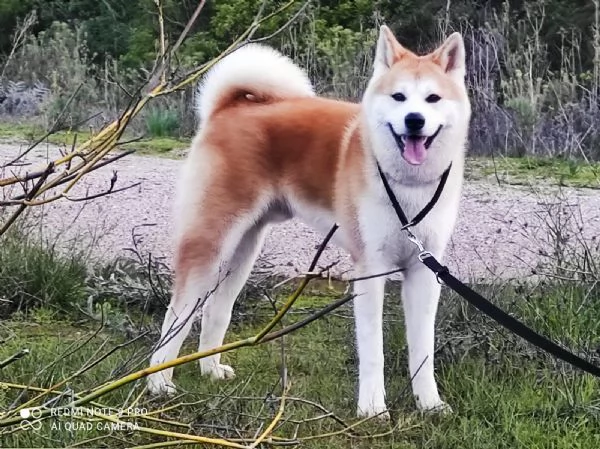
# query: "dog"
{"type": "Point", "coordinates": [269, 149]}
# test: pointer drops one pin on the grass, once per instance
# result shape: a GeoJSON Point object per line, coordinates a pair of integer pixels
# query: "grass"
{"type": "Point", "coordinates": [31, 133]}
{"type": "Point", "coordinates": [159, 146]}
{"type": "Point", "coordinates": [526, 170]}
{"type": "Point", "coordinates": [32, 275]}
{"type": "Point", "coordinates": [504, 394]}
{"type": "Point", "coordinates": [162, 122]}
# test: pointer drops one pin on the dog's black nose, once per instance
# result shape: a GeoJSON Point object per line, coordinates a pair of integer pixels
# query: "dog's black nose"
{"type": "Point", "coordinates": [414, 122]}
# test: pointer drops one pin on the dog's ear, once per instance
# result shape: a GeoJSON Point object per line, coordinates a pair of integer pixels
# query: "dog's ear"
{"type": "Point", "coordinates": [451, 55]}
{"type": "Point", "coordinates": [388, 49]}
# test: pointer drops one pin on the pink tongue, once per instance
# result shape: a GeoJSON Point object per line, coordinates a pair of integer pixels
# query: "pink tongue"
{"type": "Point", "coordinates": [415, 152]}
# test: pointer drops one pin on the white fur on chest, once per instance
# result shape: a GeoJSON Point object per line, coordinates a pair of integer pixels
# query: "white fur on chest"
{"type": "Point", "coordinates": [386, 244]}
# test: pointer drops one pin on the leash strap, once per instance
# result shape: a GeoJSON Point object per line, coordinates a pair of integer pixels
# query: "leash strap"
{"type": "Point", "coordinates": [443, 275]}
{"type": "Point", "coordinates": [401, 215]}
{"type": "Point", "coordinates": [504, 318]}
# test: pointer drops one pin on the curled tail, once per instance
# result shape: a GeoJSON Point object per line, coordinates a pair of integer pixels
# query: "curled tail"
{"type": "Point", "coordinates": [254, 73]}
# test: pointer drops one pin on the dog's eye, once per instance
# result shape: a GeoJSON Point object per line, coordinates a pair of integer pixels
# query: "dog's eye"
{"type": "Point", "coordinates": [433, 98]}
{"type": "Point", "coordinates": [399, 97]}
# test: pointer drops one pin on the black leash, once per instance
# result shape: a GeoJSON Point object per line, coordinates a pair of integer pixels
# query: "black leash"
{"type": "Point", "coordinates": [443, 275]}
{"type": "Point", "coordinates": [505, 319]}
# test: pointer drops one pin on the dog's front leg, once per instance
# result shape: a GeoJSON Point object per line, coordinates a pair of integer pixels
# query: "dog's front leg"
{"type": "Point", "coordinates": [420, 296]}
{"type": "Point", "coordinates": [368, 313]}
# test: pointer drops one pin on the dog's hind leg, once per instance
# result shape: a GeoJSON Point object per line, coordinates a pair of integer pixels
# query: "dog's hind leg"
{"type": "Point", "coordinates": [185, 305]}
{"type": "Point", "coordinates": [420, 296]}
{"type": "Point", "coordinates": [209, 276]}
{"type": "Point", "coordinates": [216, 314]}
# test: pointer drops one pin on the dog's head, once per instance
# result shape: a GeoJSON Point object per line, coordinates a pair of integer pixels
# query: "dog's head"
{"type": "Point", "coordinates": [417, 107]}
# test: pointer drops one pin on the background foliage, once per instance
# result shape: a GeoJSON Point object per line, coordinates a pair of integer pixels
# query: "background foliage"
{"type": "Point", "coordinates": [127, 29]}
{"type": "Point", "coordinates": [534, 68]}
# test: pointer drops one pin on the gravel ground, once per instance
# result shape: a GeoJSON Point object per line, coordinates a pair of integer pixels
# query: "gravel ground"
{"type": "Point", "coordinates": [502, 230]}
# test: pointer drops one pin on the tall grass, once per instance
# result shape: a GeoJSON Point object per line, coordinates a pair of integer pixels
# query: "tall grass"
{"type": "Point", "coordinates": [34, 275]}
{"type": "Point", "coordinates": [522, 106]}
{"type": "Point", "coordinates": [162, 122]}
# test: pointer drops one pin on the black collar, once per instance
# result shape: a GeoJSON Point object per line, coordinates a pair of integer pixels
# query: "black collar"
{"type": "Point", "coordinates": [398, 209]}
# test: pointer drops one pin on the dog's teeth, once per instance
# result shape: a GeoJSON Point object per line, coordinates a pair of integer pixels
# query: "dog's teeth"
{"type": "Point", "coordinates": [403, 138]}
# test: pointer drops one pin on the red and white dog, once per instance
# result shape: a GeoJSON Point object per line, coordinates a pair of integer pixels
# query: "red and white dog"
{"type": "Point", "coordinates": [269, 149]}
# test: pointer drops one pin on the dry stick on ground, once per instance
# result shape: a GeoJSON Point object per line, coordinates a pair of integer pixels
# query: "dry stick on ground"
{"type": "Point", "coordinates": [13, 358]}
{"type": "Point", "coordinates": [17, 200]}
{"type": "Point", "coordinates": [30, 195]}
{"type": "Point", "coordinates": [110, 191]}
{"type": "Point", "coordinates": [116, 410]}
{"type": "Point", "coordinates": [70, 350]}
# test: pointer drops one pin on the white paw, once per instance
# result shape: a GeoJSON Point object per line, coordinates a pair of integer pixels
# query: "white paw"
{"type": "Point", "coordinates": [218, 371]}
{"type": "Point", "coordinates": [437, 406]}
{"type": "Point", "coordinates": [371, 399]}
{"type": "Point", "coordinates": [373, 409]}
{"type": "Point", "coordinates": [159, 385]}
{"type": "Point", "coordinates": [370, 412]}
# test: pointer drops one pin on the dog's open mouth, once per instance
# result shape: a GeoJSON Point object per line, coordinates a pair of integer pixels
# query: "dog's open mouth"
{"type": "Point", "coordinates": [413, 146]}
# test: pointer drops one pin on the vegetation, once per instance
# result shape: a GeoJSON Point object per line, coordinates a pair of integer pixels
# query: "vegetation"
{"type": "Point", "coordinates": [32, 276]}
{"type": "Point", "coordinates": [534, 67]}
{"type": "Point", "coordinates": [77, 327]}
{"type": "Point", "coordinates": [504, 393]}
{"type": "Point", "coordinates": [157, 146]}
{"type": "Point", "coordinates": [529, 170]}
{"type": "Point", "coordinates": [162, 123]}
{"type": "Point", "coordinates": [68, 326]}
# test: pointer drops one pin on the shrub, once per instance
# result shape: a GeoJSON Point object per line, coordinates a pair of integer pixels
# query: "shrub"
{"type": "Point", "coordinates": [34, 275]}
{"type": "Point", "coordinates": [162, 122]}
{"type": "Point", "coordinates": [20, 100]}
{"type": "Point", "coordinates": [57, 57]}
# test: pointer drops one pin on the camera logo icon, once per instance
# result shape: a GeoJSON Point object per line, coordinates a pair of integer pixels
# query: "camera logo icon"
{"type": "Point", "coordinates": [31, 419]}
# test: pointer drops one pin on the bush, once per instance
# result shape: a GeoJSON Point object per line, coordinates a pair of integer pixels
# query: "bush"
{"type": "Point", "coordinates": [34, 275]}
{"type": "Point", "coordinates": [57, 57]}
{"type": "Point", "coordinates": [37, 279]}
{"type": "Point", "coordinates": [22, 100]}
{"type": "Point", "coordinates": [162, 122]}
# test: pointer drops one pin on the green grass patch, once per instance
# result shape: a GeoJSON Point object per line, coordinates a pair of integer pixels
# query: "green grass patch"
{"type": "Point", "coordinates": [160, 146]}
{"type": "Point", "coordinates": [162, 122]}
{"type": "Point", "coordinates": [17, 131]}
{"type": "Point", "coordinates": [34, 275]}
{"type": "Point", "coordinates": [531, 170]}
{"type": "Point", "coordinates": [166, 146]}
{"type": "Point", "coordinates": [30, 133]}
{"type": "Point", "coordinates": [504, 393]}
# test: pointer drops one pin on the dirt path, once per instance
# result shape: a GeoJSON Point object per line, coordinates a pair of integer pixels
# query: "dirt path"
{"type": "Point", "coordinates": [500, 232]}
